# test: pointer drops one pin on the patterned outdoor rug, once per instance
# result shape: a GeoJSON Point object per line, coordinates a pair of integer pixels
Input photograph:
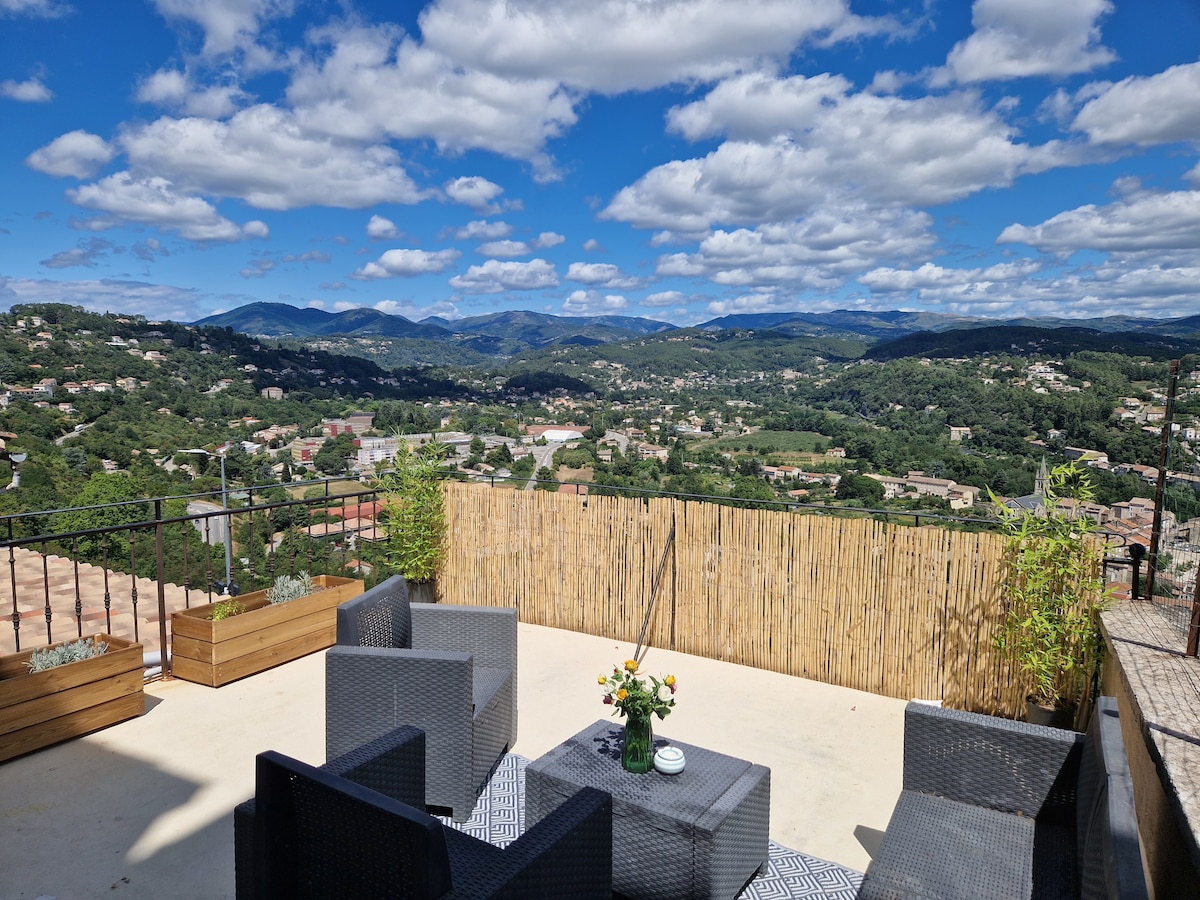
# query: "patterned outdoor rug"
{"type": "Point", "coordinates": [499, 818]}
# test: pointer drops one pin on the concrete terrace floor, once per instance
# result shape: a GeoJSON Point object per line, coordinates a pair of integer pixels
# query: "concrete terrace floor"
{"type": "Point", "coordinates": [144, 809]}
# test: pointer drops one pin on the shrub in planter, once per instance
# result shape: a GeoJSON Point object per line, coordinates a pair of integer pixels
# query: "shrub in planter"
{"type": "Point", "coordinates": [414, 499]}
{"type": "Point", "coordinates": [66, 690]}
{"type": "Point", "coordinates": [59, 655]}
{"type": "Point", "coordinates": [1052, 592]}
{"type": "Point", "coordinates": [234, 637]}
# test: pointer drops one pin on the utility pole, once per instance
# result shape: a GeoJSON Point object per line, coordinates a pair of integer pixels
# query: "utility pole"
{"type": "Point", "coordinates": [1156, 529]}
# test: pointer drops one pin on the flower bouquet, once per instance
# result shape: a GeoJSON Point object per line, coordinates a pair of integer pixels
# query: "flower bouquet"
{"type": "Point", "coordinates": [637, 698]}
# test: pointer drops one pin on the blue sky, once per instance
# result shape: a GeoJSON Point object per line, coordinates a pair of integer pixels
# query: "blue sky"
{"type": "Point", "coordinates": [675, 159]}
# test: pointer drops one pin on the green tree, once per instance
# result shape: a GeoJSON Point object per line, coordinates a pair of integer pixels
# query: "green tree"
{"type": "Point", "coordinates": [102, 492]}
{"type": "Point", "coordinates": [866, 490]}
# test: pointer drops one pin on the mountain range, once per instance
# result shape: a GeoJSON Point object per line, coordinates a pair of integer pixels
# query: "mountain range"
{"type": "Point", "coordinates": [503, 334]}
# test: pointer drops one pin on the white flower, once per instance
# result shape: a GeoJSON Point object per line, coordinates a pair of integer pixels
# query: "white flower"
{"type": "Point", "coordinates": [664, 693]}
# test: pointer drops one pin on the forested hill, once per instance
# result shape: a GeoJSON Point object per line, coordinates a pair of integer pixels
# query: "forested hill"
{"type": "Point", "coordinates": [1023, 340]}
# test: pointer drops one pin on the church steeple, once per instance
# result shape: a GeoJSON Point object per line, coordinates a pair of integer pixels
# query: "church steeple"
{"type": "Point", "coordinates": [1042, 480]}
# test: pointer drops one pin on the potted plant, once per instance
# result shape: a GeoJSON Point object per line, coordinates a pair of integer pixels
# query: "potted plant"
{"type": "Point", "coordinates": [221, 642]}
{"type": "Point", "coordinates": [67, 689]}
{"type": "Point", "coordinates": [414, 502]}
{"type": "Point", "coordinates": [1052, 593]}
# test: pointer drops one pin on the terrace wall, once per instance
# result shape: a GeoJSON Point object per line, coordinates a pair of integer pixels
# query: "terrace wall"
{"type": "Point", "coordinates": [899, 611]}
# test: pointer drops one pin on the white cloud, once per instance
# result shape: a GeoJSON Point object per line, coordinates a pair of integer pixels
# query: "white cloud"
{"type": "Point", "coordinates": [374, 83]}
{"type": "Point", "coordinates": [602, 274]}
{"type": "Point", "coordinates": [929, 275]}
{"type": "Point", "coordinates": [1023, 38]}
{"type": "Point", "coordinates": [444, 308]}
{"type": "Point", "coordinates": [262, 156]}
{"type": "Point", "coordinates": [29, 91]}
{"type": "Point", "coordinates": [227, 24]}
{"type": "Point", "coordinates": [381, 229]}
{"type": "Point", "coordinates": [1145, 221]}
{"type": "Point", "coordinates": [149, 250]}
{"type": "Point", "coordinates": [77, 154]}
{"type": "Point", "coordinates": [154, 201]}
{"type": "Point", "coordinates": [481, 230]}
{"type": "Point", "coordinates": [622, 45]}
{"type": "Point", "coordinates": [155, 301]}
{"type": "Point", "coordinates": [317, 256]}
{"type": "Point", "coordinates": [258, 268]}
{"type": "Point", "coordinates": [475, 192]}
{"type": "Point", "coordinates": [174, 90]}
{"type": "Point", "coordinates": [594, 303]}
{"type": "Point", "coordinates": [505, 249]}
{"type": "Point", "coordinates": [861, 147]}
{"type": "Point", "coordinates": [1024, 289]}
{"type": "Point", "coordinates": [1144, 110]}
{"type": "Point", "coordinates": [817, 253]}
{"type": "Point", "coordinates": [87, 253]}
{"type": "Point", "coordinates": [547, 239]}
{"type": "Point", "coordinates": [757, 302]}
{"type": "Point", "coordinates": [407, 264]}
{"type": "Point", "coordinates": [256, 229]}
{"type": "Point", "coordinates": [46, 9]}
{"type": "Point", "coordinates": [664, 299]}
{"type": "Point", "coordinates": [591, 245]}
{"type": "Point", "coordinates": [494, 277]}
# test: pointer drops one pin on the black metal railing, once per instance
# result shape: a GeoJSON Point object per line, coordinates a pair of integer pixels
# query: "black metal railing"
{"type": "Point", "coordinates": [161, 543]}
{"type": "Point", "coordinates": [89, 576]}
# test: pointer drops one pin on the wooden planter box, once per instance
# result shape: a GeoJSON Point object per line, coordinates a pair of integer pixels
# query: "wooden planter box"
{"type": "Point", "coordinates": [38, 709]}
{"type": "Point", "coordinates": [264, 636]}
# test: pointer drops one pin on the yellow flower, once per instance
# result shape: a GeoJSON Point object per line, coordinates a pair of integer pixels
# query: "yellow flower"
{"type": "Point", "coordinates": [622, 694]}
{"type": "Point", "coordinates": [601, 680]}
{"type": "Point", "coordinates": [631, 665]}
{"type": "Point", "coordinates": [669, 680]}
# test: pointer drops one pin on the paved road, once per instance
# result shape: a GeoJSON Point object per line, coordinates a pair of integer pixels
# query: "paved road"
{"type": "Point", "coordinates": [542, 456]}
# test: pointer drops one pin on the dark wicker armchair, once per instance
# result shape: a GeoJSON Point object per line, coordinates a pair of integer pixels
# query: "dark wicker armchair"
{"type": "Point", "coordinates": [311, 833]}
{"type": "Point", "coordinates": [994, 808]}
{"type": "Point", "coordinates": [449, 670]}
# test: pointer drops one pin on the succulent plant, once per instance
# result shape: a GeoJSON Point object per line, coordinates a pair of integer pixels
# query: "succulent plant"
{"type": "Point", "coordinates": [72, 651]}
{"type": "Point", "coordinates": [288, 588]}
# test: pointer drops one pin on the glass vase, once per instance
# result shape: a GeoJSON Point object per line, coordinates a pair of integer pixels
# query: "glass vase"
{"type": "Point", "coordinates": [637, 754]}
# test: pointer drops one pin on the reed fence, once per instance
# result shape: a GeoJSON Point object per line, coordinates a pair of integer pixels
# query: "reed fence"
{"type": "Point", "coordinates": [899, 611]}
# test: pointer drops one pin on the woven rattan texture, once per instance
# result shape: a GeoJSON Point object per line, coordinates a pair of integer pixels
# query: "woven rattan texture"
{"type": "Point", "coordinates": [457, 682]}
{"type": "Point", "coordinates": [393, 765]}
{"type": "Point", "coordinates": [322, 836]}
{"type": "Point", "coordinates": [702, 833]}
{"type": "Point", "coordinates": [997, 809]}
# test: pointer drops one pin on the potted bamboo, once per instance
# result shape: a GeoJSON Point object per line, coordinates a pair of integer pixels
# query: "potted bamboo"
{"type": "Point", "coordinates": [50, 694]}
{"type": "Point", "coordinates": [221, 642]}
{"type": "Point", "coordinates": [414, 505]}
{"type": "Point", "coordinates": [1052, 595]}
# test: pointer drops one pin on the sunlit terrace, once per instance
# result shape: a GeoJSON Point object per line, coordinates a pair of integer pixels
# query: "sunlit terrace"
{"type": "Point", "coordinates": [144, 807]}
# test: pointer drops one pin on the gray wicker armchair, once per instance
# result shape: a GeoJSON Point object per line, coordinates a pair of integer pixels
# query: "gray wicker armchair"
{"type": "Point", "coordinates": [312, 833]}
{"type": "Point", "coordinates": [995, 808]}
{"type": "Point", "coordinates": [449, 670]}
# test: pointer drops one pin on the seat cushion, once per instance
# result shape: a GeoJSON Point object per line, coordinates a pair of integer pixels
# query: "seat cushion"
{"type": "Point", "coordinates": [939, 849]}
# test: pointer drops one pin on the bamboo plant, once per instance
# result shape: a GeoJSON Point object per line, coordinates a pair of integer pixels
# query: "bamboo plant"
{"type": "Point", "coordinates": [414, 498]}
{"type": "Point", "coordinates": [1053, 592]}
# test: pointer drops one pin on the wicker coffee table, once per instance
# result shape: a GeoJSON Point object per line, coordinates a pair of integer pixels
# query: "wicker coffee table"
{"type": "Point", "coordinates": [701, 833]}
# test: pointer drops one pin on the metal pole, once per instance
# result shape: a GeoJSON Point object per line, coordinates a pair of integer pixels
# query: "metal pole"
{"type": "Point", "coordinates": [1156, 527]}
{"type": "Point", "coordinates": [160, 572]}
{"type": "Point", "coordinates": [228, 531]}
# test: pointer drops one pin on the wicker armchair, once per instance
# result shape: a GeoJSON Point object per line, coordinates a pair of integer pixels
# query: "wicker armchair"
{"type": "Point", "coordinates": [995, 808]}
{"type": "Point", "coordinates": [449, 670]}
{"type": "Point", "coordinates": [315, 834]}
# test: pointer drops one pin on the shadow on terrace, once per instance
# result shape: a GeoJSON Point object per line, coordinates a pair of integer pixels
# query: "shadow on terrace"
{"type": "Point", "coordinates": [796, 643]}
